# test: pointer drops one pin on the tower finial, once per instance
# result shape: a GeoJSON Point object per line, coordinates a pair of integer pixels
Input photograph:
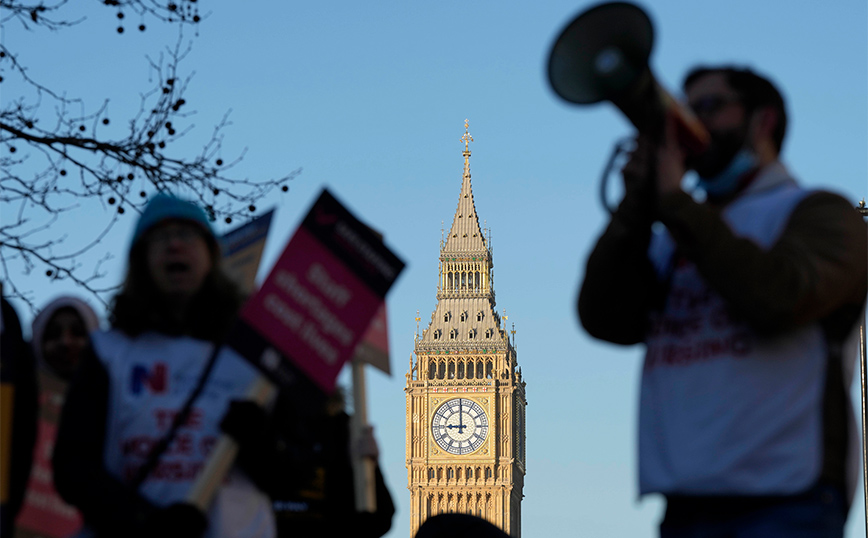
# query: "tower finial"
{"type": "Point", "coordinates": [467, 139]}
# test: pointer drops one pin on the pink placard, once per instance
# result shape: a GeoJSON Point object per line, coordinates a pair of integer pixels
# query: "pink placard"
{"type": "Point", "coordinates": [44, 513]}
{"type": "Point", "coordinates": [315, 306]}
{"type": "Point", "coordinates": [312, 309]}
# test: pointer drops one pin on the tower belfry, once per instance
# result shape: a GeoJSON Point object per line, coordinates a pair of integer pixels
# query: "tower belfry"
{"type": "Point", "coordinates": [465, 394]}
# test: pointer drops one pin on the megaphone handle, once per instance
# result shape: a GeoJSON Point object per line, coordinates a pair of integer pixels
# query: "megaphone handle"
{"type": "Point", "coordinates": [691, 134]}
{"type": "Point", "coordinates": [620, 148]}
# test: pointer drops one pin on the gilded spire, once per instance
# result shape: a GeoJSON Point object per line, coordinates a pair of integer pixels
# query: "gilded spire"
{"type": "Point", "coordinates": [465, 235]}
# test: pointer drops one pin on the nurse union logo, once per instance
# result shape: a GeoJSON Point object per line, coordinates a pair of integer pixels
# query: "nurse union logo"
{"type": "Point", "coordinates": [153, 379]}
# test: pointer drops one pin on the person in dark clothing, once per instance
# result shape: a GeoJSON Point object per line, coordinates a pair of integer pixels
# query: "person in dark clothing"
{"type": "Point", "coordinates": [19, 408]}
{"type": "Point", "coordinates": [314, 451]}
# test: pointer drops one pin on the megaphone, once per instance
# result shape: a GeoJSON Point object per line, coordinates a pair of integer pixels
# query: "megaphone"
{"type": "Point", "coordinates": [603, 55]}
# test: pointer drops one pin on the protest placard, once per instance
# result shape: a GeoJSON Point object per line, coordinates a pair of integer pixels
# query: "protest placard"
{"type": "Point", "coordinates": [317, 303]}
{"type": "Point", "coordinates": [44, 514]}
{"type": "Point", "coordinates": [308, 317]}
{"type": "Point", "coordinates": [242, 250]}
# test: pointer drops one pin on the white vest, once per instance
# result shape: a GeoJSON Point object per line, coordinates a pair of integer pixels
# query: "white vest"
{"type": "Point", "coordinates": [150, 378]}
{"type": "Point", "coordinates": [722, 410]}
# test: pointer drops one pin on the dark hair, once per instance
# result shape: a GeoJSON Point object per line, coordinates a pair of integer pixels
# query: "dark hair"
{"type": "Point", "coordinates": [754, 90]}
{"type": "Point", "coordinates": [139, 307]}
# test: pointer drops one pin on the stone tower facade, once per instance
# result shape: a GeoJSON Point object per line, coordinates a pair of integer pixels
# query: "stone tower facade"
{"type": "Point", "coordinates": [465, 436]}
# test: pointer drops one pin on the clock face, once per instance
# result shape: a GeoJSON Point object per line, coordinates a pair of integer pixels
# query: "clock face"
{"type": "Point", "coordinates": [460, 426]}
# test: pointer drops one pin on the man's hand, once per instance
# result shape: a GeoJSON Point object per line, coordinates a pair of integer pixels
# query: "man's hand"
{"type": "Point", "coordinates": [669, 165]}
{"type": "Point", "coordinates": [670, 160]}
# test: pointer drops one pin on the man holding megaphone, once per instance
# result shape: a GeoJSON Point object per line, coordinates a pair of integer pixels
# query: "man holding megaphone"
{"type": "Point", "coordinates": [748, 304]}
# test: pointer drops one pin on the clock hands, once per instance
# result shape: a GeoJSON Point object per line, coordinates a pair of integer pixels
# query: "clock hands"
{"type": "Point", "coordinates": [461, 425]}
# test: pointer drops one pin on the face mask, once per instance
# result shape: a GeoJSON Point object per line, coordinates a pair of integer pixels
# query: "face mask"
{"type": "Point", "coordinates": [726, 182]}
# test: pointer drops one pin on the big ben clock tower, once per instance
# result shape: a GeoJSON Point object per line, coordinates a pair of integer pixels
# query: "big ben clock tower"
{"type": "Point", "coordinates": [465, 395]}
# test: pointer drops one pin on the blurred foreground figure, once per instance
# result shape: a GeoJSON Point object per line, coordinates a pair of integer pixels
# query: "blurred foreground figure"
{"type": "Point", "coordinates": [60, 337]}
{"type": "Point", "coordinates": [458, 526]}
{"type": "Point", "coordinates": [748, 305]}
{"type": "Point", "coordinates": [118, 457]}
{"type": "Point", "coordinates": [18, 410]}
{"type": "Point", "coordinates": [304, 465]}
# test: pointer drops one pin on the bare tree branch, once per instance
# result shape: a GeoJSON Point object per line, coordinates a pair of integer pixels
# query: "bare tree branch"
{"type": "Point", "coordinates": [57, 157]}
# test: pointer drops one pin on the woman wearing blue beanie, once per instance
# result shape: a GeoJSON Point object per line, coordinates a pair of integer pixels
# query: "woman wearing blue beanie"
{"type": "Point", "coordinates": [144, 409]}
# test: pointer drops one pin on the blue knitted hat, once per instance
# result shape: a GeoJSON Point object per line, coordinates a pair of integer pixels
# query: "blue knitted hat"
{"type": "Point", "coordinates": [169, 207]}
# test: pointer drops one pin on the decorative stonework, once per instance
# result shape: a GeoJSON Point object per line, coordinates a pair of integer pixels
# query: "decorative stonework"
{"type": "Point", "coordinates": [466, 361]}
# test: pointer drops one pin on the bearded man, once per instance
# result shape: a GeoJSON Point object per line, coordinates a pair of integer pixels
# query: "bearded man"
{"type": "Point", "coordinates": [748, 304]}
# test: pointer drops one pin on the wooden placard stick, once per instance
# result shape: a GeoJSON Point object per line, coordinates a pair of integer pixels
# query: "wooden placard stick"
{"type": "Point", "coordinates": [363, 467]}
{"type": "Point", "coordinates": [221, 458]}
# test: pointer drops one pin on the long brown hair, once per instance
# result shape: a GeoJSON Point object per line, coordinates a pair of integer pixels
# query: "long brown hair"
{"type": "Point", "coordinates": [139, 307]}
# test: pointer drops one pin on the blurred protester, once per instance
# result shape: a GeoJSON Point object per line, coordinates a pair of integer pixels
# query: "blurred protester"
{"type": "Point", "coordinates": [143, 410]}
{"type": "Point", "coordinates": [18, 411]}
{"type": "Point", "coordinates": [60, 336]}
{"type": "Point", "coordinates": [747, 304]}
{"type": "Point", "coordinates": [314, 451]}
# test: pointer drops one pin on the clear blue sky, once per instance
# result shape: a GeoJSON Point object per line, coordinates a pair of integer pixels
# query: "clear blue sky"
{"type": "Point", "coordinates": [370, 99]}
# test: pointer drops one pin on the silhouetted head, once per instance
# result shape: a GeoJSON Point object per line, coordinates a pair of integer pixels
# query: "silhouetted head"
{"type": "Point", "coordinates": [458, 526]}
